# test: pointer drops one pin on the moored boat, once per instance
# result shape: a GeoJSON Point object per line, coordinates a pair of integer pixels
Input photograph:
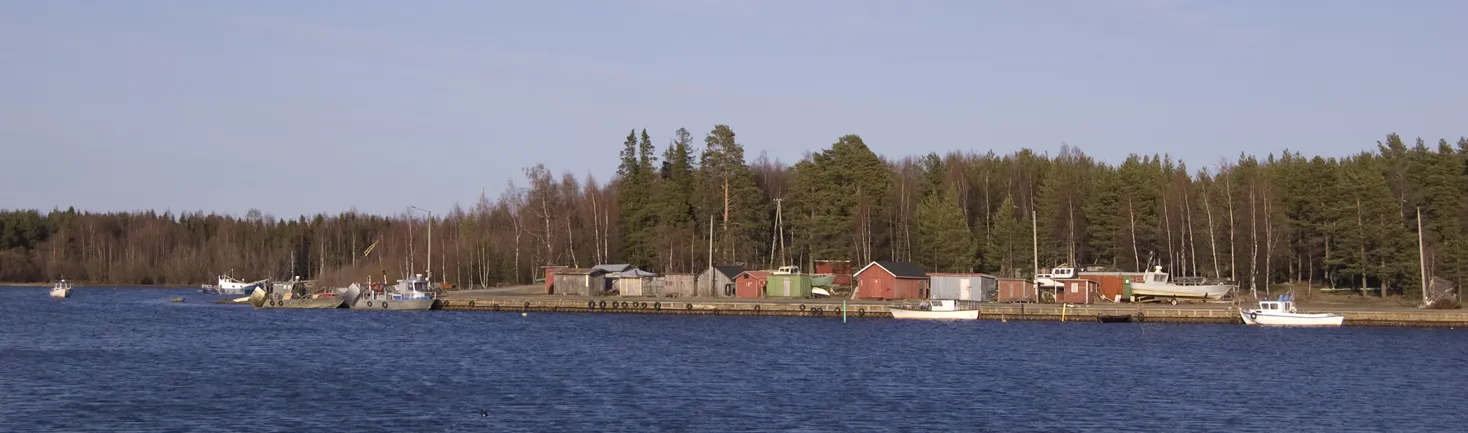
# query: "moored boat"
{"type": "Point", "coordinates": [1114, 318]}
{"type": "Point", "coordinates": [942, 309]}
{"type": "Point", "coordinates": [1283, 313]}
{"type": "Point", "coordinates": [410, 294]}
{"type": "Point", "coordinates": [292, 294]}
{"type": "Point", "coordinates": [230, 286]}
{"type": "Point", "coordinates": [62, 289]}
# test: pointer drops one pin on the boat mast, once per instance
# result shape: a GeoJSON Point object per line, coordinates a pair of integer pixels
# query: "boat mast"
{"type": "Point", "coordinates": [1035, 239]}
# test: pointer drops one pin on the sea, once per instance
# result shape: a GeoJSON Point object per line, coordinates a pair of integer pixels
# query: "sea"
{"type": "Point", "coordinates": [129, 360]}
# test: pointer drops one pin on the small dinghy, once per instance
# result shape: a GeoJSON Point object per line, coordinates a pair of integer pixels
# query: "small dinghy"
{"type": "Point", "coordinates": [1114, 318]}
{"type": "Point", "coordinates": [177, 299]}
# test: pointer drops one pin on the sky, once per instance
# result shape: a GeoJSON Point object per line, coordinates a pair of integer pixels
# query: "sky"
{"type": "Point", "coordinates": [322, 106]}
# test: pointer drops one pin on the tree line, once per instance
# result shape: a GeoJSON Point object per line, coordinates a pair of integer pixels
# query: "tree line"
{"type": "Point", "coordinates": [1285, 217]}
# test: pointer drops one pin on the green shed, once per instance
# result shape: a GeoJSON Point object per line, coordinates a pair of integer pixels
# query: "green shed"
{"type": "Point", "coordinates": [787, 286]}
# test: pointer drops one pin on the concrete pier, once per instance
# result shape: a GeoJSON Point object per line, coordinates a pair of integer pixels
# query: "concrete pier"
{"type": "Point", "coordinates": [831, 308]}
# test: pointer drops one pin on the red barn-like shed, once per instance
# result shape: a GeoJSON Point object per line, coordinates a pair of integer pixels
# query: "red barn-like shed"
{"type": "Point", "coordinates": [891, 280]}
{"type": "Point", "coordinates": [840, 271]}
{"type": "Point", "coordinates": [1016, 289]}
{"type": "Point", "coordinates": [750, 284]}
{"type": "Point", "coordinates": [1077, 291]}
{"type": "Point", "coordinates": [550, 277]}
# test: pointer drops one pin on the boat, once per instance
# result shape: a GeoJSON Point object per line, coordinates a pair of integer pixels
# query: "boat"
{"type": "Point", "coordinates": [1283, 313]}
{"type": "Point", "coordinates": [62, 289]}
{"type": "Point", "coordinates": [177, 299]}
{"type": "Point", "coordinates": [230, 286]}
{"type": "Point", "coordinates": [1049, 280]}
{"type": "Point", "coordinates": [822, 279]}
{"type": "Point", "coordinates": [411, 294]}
{"type": "Point", "coordinates": [1155, 284]}
{"type": "Point", "coordinates": [292, 294]}
{"type": "Point", "coordinates": [942, 309]}
{"type": "Point", "coordinates": [1114, 318]}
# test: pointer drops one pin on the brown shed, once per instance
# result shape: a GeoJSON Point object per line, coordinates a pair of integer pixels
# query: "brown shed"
{"type": "Point", "coordinates": [840, 271]}
{"type": "Point", "coordinates": [582, 282]}
{"type": "Point", "coordinates": [750, 284]}
{"type": "Point", "coordinates": [1016, 289]}
{"type": "Point", "coordinates": [550, 277]}
{"type": "Point", "coordinates": [1077, 291]}
{"type": "Point", "coordinates": [1112, 284]}
{"type": "Point", "coordinates": [891, 280]}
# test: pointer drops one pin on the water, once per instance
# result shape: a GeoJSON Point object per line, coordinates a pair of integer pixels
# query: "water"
{"type": "Point", "coordinates": [129, 360]}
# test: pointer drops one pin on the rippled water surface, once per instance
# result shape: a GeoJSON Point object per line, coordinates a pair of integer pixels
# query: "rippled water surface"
{"type": "Point", "coordinates": [130, 360]}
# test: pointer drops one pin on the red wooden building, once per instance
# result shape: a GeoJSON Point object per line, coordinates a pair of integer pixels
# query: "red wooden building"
{"type": "Point", "coordinates": [1077, 291]}
{"type": "Point", "coordinates": [550, 277]}
{"type": "Point", "coordinates": [750, 284]}
{"type": "Point", "coordinates": [1016, 289]}
{"type": "Point", "coordinates": [840, 271]}
{"type": "Point", "coordinates": [891, 280]}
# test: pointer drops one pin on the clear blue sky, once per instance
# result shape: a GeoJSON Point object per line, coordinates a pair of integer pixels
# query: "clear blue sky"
{"type": "Point", "coordinates": [299, 107]}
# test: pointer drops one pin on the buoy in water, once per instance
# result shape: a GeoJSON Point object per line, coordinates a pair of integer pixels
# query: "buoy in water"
{"type": "Point", "coordinates": [524, 314]}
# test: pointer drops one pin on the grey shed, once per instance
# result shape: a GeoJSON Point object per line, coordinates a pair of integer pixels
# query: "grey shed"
{"type": "Point", "coordinates": [723, 281]}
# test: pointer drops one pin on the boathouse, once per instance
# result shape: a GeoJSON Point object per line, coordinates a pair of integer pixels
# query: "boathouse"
{"type": "Point", "coordinates": [891, 280]}
{"type": "Point", "coordinates": [1112, 285]}
{"type": "Point", "coordinates": [840, 270]}
{"type": "Point", "coordinates": [787, 286]}
{"type": "Point", "coordinates": [550, 277]}
{"type": "Point", "coordinates": [722, 277]}
{"type": "Point", "coordinates": [580, 282]}
{"type": "Point", "coordinates": [675, 285]}
{"type": "Point", "coordinates": [750, 284]}
{"type": "Point", "coordinates": [1077, 291]}
{"type": "Point", "coordinates": [962, 286]}
{"type": "Point", "coordinates": [1016, 290]}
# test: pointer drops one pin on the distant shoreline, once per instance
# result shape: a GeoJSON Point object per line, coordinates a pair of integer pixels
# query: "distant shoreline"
{"type": "Point", "coordinates": [119, 286]}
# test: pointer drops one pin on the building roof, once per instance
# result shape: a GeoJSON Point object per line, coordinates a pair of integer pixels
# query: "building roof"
{"type": "Point", "coordinates": [578, 271]}
{"type": "Point", "coordinates": [729, 271]}
{"type": "Point", "coordinates": [897, 269]}
{"type": "Point", "coordinates": [959, 274]}
{"type": "Point", "coordinates": [621, 267]}
{"type": "Point", "coordinates": [755, 274]}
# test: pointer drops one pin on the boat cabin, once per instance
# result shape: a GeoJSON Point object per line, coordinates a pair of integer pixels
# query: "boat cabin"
{"type": "Point", "coordinates": [939, 305]}
{"type": "Point", "coordinates": [1277, 306]}
{"type": "Point", "coordinates": [1156, 276]}
{"type": "Point", "coordinates": [787, 270]}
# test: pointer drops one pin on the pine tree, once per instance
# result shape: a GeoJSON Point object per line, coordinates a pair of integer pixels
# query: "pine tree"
{"type": "Point", "coordinates": [677, 221]}
{"type": "Point", "coordinates": [1004, 250]}
{"type": "Point", "coordinates": [945, 243]}
{"type": "Point", "coordinates": [740, 211]}
{"type": "Point", "coordinates": [636, 191]}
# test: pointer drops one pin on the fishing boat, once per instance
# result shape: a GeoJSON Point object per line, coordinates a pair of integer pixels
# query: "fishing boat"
{"type": "Point", "coordinates": [292, 294]}
{"type": "Point", "coordinates": [1157, 285]}
{"type": "Point", "coordinates": [62, 289]}
{"type": "Point", "coordinates": [411, 294]}
{"type": "Point", "coordinates": [1114, 318]}
{"type": "Point", "coordinates": [942, 309]}
{"type": "Point", "coordinates": [1283, 313]}
{"type": "Point", "coordinates": [230, 286]}
{"type": "Point", "coordinates": [1049, 280]}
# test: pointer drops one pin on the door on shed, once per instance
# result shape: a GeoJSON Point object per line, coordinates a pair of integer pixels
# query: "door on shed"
{"type": "Point", "coordinates": [787, 286]}
{"type": "Point", "coordinates": [966, 288]}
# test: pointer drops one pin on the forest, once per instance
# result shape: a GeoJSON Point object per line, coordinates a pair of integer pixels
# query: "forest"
{"type": "Point", "coordinates": [1258, 221]}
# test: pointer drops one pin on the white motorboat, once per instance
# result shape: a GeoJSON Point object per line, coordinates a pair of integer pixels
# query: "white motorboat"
{"type": "Point", "coordinates": [1056, 273]}
{"type": "Point", "coordinates": [943, 309]}
{"type": "Point", "coordinates": [1283, 313]}
{"type": "Point", "coordinates": [230, 286]}
{"type": "Point", "coordinates": [62, 289]}
{"type": "Point", "coordinates": [1156, 284]}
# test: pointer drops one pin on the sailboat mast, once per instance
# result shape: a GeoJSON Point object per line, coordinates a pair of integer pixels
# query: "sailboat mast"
{"type": "Point", "coordinates": [430, 248]}
{"type": "Point", "coordinates": [1035, 240]}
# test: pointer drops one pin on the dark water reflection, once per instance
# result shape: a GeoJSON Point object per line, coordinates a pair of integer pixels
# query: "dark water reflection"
{"type": "Point", "coordinates": [129, 360]}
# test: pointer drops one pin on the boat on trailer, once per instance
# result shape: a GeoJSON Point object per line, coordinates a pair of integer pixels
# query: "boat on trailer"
{"type": "Point", "coordinates": [1157, 285]}
{"type": "Point", "coordinates": [1283, 313]}
{"type": "Point", "coordinates": [942, 309]}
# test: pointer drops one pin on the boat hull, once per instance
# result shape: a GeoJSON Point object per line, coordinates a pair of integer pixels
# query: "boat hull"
{"type": "Point", "coordinates": [900, 313]}
{"type": "Point", "coordinates": [371, 303]}
{"type": "Point", "coordinates": [1263, 318]}
{"type": "Point", "coordinates": [1114, 318]}
{"type": "Point", "coordinates": [1182, 292]}
{"type": "Point", "coordinates": [306, 303]}
{"type": "Point", "coordinates": [60, 294]}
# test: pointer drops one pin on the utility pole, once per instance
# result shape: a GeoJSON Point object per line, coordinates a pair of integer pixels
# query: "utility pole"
{"type": "Point", "coordinates": [1035, 239]}
{"type": "Point", "coordinates": [711, 257]}
{"type": "Point", "coordinates": [1421, 256]}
